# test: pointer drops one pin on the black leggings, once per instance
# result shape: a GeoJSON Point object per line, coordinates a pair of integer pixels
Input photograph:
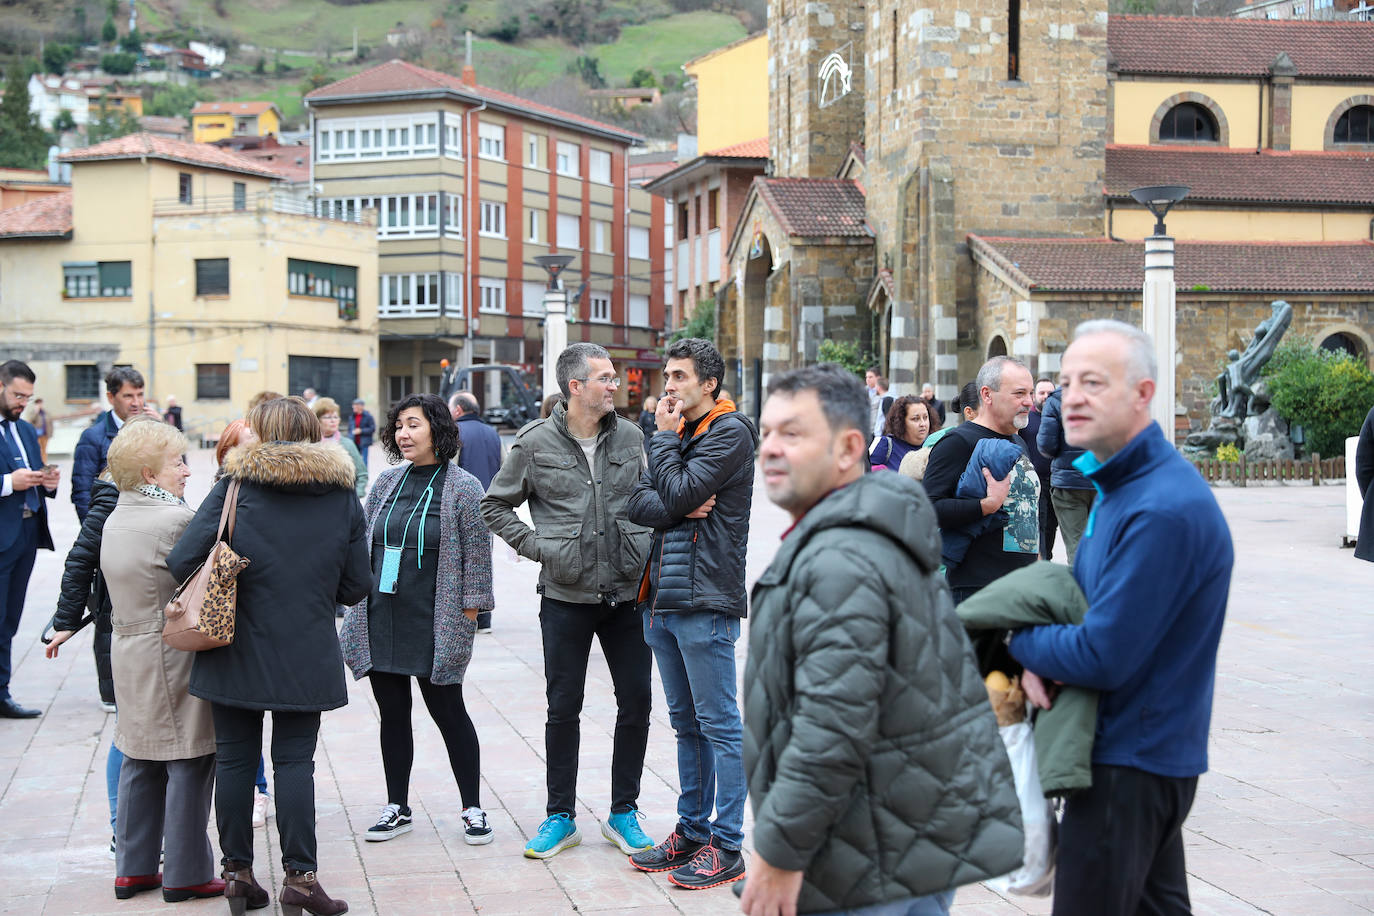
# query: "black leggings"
{"type": "Point", "coordinates": [445, 705]}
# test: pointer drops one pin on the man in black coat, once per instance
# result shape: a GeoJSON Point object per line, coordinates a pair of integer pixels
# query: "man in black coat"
{"type": "Point", "coordinates": [1364, 479]}
{"type": "Point", "coordinates": [25, 487]}
{"type": "Point", "coordinates": [1044, 387]}
{"type": "Point", "coordinates": [696, 494]}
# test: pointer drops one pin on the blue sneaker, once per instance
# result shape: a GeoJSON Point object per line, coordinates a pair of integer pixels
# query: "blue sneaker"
{"type": "Point", "coordinates": [623, 830]}
{"type": "Point", "coordinates": [556, 834]}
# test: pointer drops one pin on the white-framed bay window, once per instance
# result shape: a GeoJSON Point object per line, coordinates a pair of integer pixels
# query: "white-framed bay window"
{"type": "Point", "coordinates": [409, 295]}
{"type": "Point", "coordinates": [401, 136]}
{"type": "Point", "coordinates": [400, 215]}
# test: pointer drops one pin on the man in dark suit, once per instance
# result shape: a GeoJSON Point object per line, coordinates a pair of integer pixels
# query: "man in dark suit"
{"type": "Point", "coordinates": [25, 486]}
{"type": "Point", "coordinates": [479, 454]}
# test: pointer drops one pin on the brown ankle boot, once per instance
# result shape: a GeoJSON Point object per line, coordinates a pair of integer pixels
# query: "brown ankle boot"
{"type": "Point", "coordinates": [242, 890]}
{"type": "Point", "coordinates": [303, 891]}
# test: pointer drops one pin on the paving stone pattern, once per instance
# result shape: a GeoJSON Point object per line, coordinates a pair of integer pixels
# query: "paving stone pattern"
{"type": "Point", "coordinates": [1283, 823]}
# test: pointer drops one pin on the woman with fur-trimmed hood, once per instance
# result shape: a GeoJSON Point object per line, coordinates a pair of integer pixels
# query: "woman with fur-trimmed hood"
{"type": "Point", "coordinates": [301, 527]}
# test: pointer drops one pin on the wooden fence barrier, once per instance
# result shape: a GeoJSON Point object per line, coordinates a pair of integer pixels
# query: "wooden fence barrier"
{"type": "Point", "coordinates": [1314, 469]}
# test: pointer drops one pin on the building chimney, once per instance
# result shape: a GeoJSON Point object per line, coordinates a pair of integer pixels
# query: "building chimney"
{"type": "Point", "coordinates": [469, 74]}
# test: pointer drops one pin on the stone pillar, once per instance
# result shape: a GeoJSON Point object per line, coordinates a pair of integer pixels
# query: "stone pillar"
{"type": "Point", "coordinates": [1281, 74]}
{"type": "Point", "coordinates": [1157, 318]}
{"type": "Point", "coordinates": [555, 335]}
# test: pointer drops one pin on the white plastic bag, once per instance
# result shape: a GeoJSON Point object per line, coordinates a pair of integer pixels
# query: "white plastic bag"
{"type": "Point", "coordinates": [1035, 877]}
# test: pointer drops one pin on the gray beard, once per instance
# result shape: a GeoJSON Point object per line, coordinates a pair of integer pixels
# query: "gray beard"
{"type": "Point", "coordinates": [1021, 420]}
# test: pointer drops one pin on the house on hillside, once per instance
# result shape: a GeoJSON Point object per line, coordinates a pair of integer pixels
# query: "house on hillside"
{"type": "Point", "coordinates": [469, 184]}
{"type": "Point", "coordinates": [212, 121]}
{"type": "Point", "coordinates": [177, 258]}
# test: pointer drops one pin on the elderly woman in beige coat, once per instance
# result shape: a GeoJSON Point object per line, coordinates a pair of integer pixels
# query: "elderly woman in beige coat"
{"type": "Point", "coordinates": [166, 734]}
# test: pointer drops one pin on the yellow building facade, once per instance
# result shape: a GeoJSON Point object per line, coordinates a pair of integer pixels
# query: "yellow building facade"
{"type": "Point", "coordinates": [211, 121]}
{"type": "Point", "coordinates": [184, 263]}
{"type": "Point", "coordinates": [732, 93]}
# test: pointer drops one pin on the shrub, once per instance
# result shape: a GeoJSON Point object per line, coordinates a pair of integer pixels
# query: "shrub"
{"type": "Point", "coordinates": [1326, 393]}
{"type": "Point", "coordinates": [1228, 453]}
{"type": "Point", "coordinates": [118, 63]}
{"type": "Point", "coordinates": [57, 56]}
{"type": "Point", "coordinates": [702, 323]}
{"type": "Point", "coordinates": [846, 353]}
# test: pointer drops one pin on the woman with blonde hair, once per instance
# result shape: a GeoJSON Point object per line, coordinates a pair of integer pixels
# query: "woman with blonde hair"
{"type": "Point", "coordinates": [301, 527]}
{"type": "Point", "coordinates": [166, 735]}
{"type": "Point", "coordinates": [327, 412]}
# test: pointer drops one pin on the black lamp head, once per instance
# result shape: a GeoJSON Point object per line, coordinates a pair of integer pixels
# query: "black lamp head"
{"type": "Point", "coordinates": [1159, 199]}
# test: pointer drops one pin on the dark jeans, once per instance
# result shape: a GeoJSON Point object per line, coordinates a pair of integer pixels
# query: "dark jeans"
{"type": "Point", "coordinates": [1121, 846]}
{"type": "Point", "coordinates": [568, 630]}
{"type": "Point", "coordinates": [238, 743]}
{"type": "Point", "coordinates": [16, 565]}
{"type": "Point", "coordinates": [1049, 522]}
{"type": "Point", "coordinates": [696, 663]}
{"type": "Point", "coordinates": [446, 708]}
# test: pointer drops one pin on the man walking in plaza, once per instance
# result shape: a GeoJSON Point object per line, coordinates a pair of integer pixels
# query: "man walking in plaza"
{"type": "Point", "coordinates": [1071, 495]}
{"type": "Point", "coordinates": [577, 469]}
{"type": "Point", "coordinates": [25, 487]}
{"type": "Point", "coordinates": [1012, 538]}
{"type": "Point", "coordinates": [877, 777]}
{"type": "Point", "coordinates": [1155, 565]}
{"type": "Point", "coordinates": [696, 494]}
{"type": "Point", "coordinates": [479, 453]}
{"type": "Point", "coordinates": [935, 405]}
{"type": "Point", "coordinates": [362, 426]}
{"type": "Point", "coordinates": [124, 391]}
{"type": "Point", "coordinates": [1043, 388]}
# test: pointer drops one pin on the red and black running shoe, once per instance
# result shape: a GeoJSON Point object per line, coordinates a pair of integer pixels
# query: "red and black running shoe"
{"type": "Point", "coordinates": [673, 852]}
{"type": "Point", "coordinates": [712, 866]}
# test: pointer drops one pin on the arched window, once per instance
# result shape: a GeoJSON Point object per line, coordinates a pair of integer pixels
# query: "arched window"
{"type": "Point", "coordinates": [998, 347]}
{"type": "Point", "coordinates": [1343, 343]}
{"type": "Point", "coordinates": [1355, 126]}
{"type": "Point", "coordinates": [1190, 122]}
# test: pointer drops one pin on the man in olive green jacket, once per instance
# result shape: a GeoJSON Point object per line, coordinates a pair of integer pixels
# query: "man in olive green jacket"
{"type": "Point", "coordinates": [577, 470]}
{"type": "Point", "coordinates": [876, 773]}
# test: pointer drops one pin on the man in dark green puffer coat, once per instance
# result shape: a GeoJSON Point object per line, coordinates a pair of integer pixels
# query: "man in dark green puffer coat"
{"type": "Point", "coordinates": [875, 769]}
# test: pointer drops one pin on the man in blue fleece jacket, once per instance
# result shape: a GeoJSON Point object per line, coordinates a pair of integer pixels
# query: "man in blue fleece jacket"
{"type": "Point", "coordinates": [1155, 564]}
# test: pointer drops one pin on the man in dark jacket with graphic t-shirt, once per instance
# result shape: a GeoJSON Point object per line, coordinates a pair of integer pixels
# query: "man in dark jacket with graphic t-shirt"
{"type": "Point", "coordinates": [696, 494]}
{"type": "Point", "coordinates": [876, 774]}
{"type": "Point", "coordinates": [1006, 392]}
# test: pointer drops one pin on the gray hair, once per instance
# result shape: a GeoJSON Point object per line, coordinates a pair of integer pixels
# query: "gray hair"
{"type": "Point", "coordinates": [466, 400]}
{"type": "Point", "coordinates": [573, 363]}
{"type": "Point", "coordinates": [990, 375]}
{"type": "Point", "coordinates": [1140, 348]}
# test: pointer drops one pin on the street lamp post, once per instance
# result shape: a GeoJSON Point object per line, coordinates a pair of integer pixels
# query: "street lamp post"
{"type": "Point", "coordinates": [555, 316]}
{"type": "Point", "coordinates": [1157, 299]}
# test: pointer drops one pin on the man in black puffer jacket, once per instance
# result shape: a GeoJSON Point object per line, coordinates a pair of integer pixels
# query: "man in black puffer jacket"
{"type": "Point", "coordinates": [696, 494]}
{"type": "Point", "coordinates": [875, 769]}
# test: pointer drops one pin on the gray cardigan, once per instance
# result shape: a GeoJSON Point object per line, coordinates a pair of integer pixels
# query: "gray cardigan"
{"type": "Point", "coordinates": [464, 576]}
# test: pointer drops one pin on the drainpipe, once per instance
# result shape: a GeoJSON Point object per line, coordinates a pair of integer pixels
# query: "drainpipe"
{"type": "Point", "coordinates": [1111, 218]}
{"type": "Point", "coordinates": [469, 233]}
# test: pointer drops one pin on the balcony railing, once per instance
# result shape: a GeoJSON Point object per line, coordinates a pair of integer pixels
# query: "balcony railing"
{"type": "Point", "coordinates": [258, 202]}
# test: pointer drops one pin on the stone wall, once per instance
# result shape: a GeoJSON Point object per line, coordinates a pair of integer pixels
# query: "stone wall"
{"type": "Point", "coordinates": [807, 140]}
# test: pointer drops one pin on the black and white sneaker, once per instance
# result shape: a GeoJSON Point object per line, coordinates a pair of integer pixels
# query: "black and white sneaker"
{"type": "Point", "coordinates": [476, 830]}
{"type": "Point", "coordinates": [394, 821]}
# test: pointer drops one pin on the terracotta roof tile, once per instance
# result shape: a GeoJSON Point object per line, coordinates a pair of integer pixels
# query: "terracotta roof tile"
{"type": "Point", "coordinates": [1101, 265]}
{"type": "Point", "coordinates": [749, 149]}
{"type": "Point", "coordinates": [47, 217]}
{"type": "Point", "coordinates": [137, 146]}
{"type": "Point", "coordinates": [1239, 47]}
{"type": "Point", "coordinates": [816, 207]}
{"type": "Point", "coordinates": [1244, 175]}
{"type": "Point", "coordinates": [233, 108]}
{"type": "Point", "coordinates": [400, 76]}
{"type": "Point", "coordinates": [291, 162]}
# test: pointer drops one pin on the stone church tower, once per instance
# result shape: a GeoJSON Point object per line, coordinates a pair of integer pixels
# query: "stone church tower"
{"type": "Point", "coordinates": [983, 118]}
{"type": "Point", "coordinates": [815, 85]}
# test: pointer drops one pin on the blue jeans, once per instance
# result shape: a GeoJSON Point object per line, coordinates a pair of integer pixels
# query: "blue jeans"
{"type": "Point", "coordinates": [932, 905]}
{"type": "Point", "coordinates": [261, 779]}
{"type": "Point", "coordinates": [114, 762]}
{"type": "Point", "coordinates": [696, 662]}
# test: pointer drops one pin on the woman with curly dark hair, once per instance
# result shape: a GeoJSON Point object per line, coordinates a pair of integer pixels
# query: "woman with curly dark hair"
{"type": "Point", "coordinates": [431, 575]}
{"type": "Point", "coordinates": [906, 428]}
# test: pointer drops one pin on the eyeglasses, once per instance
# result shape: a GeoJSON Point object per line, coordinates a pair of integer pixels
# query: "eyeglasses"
{"type": "Point", "coordinates": [610, 381]}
